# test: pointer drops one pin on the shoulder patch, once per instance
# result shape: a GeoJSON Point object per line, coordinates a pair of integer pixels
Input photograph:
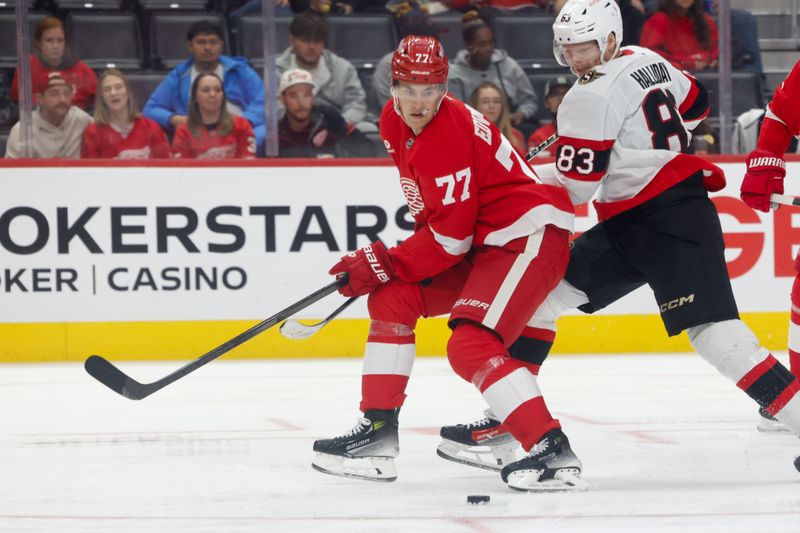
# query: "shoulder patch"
{"type": "Point", "coordinates": [590, 76]}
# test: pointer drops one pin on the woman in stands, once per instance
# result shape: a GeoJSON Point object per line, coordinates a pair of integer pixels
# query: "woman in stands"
{"type": "Point", "coordinates": [481, 61]}
{"type": "Point", "coordinates": [210, 131]}
{"type": "Point", "coordinates": [683, 34]}
{"type": "Point", "coordinates": [492, 102]}
{"type": "Point", "coordinates": [51, 53]}
{"type": "Point", "coordinates": [119, 131]}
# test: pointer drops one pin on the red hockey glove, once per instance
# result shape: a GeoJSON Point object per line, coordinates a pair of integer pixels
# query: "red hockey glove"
{"type": "Point", "coordinates": [365, 268]}
{"type": "Point", "coordinates": [765, 173]}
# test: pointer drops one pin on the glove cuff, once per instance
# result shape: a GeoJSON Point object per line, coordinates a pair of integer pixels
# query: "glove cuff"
{"type": "Point", "coordinates": [764, 159]}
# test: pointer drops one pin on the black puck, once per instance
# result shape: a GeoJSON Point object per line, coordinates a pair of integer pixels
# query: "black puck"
{"type": "Point", "coordinates": [477, 498]}
{"type": "Point", "coordinates": [797, 463]}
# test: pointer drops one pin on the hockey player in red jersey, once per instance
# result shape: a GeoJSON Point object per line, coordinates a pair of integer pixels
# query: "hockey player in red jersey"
{"type": "Point", "coordinates": [765, 172]}
{"type": "Point", "coordinates": [623, 129]}
{"type": "Point", "coordinates": [490, 243]}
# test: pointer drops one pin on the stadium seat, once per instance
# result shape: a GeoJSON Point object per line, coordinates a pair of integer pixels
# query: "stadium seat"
{"type": "Point", "coordinates": [374, 107]}
{"type": "Point", "coordinates": [106, 40]}
{"type": "Point", "coordinates": [143, 84]}
{"type": "Point", "coordinates": [168, 36]}
{"type": "Point", "coordinates": [449, 25]}
{"type": "Point", "coordinates": [250, 44]}
{"type": "Point", "coordinates": [746, 89]}
{"type": "Point", "coordinates": [8, 37]}
{"type": "Point", "coordinates": [89, 5]}
{"type": "Point", "coordinates": [528, 39]}
{"type": "Point", "coordinates": [173, 5]}
{"type": "Point", "coordinates": [362, 40]}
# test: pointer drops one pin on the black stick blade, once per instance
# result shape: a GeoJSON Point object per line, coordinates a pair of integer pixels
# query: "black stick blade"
{"type": "Point", "coordinates": [113, 378]}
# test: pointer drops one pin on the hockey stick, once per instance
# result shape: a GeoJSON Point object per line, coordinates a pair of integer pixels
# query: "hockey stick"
{"type": "Point", "coordinates": [784, 199]}
{"type": "Point", "coordinates": [116, 380]}
{"type": "Point", "coordinates": [536, 150]}
{"type": "Point", "coordinates": [293, 329]}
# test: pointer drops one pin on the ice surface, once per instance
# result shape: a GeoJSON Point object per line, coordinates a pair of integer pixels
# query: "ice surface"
{"type": "Point", "coordinates": [667, 445]}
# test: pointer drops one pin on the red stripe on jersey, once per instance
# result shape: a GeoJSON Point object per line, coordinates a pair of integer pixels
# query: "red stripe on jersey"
{"type": "Point", "coordinates": [784, 398]}
{"type": "Point", "coordinates": [598, 146]}
{"type": "Point", "coordinates": [756, 372]}
{"type": "Point", "coordinates": [695, 106]}
{"type": "Point", "coordinates": [681, 167]}
{"type": "Point", "coordinates": [691, 96]}
{"type": "Point", "coordinates": [541, 334]}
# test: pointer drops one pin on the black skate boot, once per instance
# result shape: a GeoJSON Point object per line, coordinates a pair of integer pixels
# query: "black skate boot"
{"type": "Point", "coordinates": [550, 466]}
{"type": "Point", "coordinates": [483, 444]}
{"type": "Point", "coordinates": [365, 452]}
{"type": "Point", "coordinates": [769, 424]}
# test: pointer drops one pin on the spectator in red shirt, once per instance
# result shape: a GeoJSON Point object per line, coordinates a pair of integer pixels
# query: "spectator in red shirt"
{"type": "Point", "coordinates": [211, 131]}
{"type": "Point", "coordinates": [51, 53]}
{"type": "Point", "coordinates": [554, 92]}
{"type": "Point", "coordinates": [683, 34]}
{"type": "Point", "coordinates": [492, 102]}
{"type": "Point", "coordinates": [119, 130]}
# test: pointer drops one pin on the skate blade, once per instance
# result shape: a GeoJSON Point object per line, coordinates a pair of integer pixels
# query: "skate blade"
{"type": "Point", "coordinates": [772, 426]}
{"type": "Point", "coordinates": [565, 480]}
{"type": "Point", "coordinates": [484, 457]}
{"type": "Point", "coordinates": [367, 468]}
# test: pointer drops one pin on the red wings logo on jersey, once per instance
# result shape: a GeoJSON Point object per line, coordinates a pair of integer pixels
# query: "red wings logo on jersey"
{"type": "Point", "coordinates": [413, 197]}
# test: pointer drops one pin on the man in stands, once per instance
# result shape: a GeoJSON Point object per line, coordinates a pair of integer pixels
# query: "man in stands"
{"type": "Point", "coordinates": [57, 124]}
{"type": "Point", "coordinates": [336, 78]}
{"type": "Point", "coordinates": [169, 103]}
{"type": "Point", "coordinates": [311, 129]}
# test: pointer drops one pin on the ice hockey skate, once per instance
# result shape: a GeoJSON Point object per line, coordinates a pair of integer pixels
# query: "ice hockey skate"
{"type": "Point", "coordinates": [484, 443]}
{"type": "Point", "coordinates": [365, 452]}
{"type": "Point", "coordinates": [769, 424]}
{"type": "Point", "coordinates": [551, 466]}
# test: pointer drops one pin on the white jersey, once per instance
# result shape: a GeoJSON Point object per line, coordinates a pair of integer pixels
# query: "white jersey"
{"type": "Point", "coordinates": [622, 128]}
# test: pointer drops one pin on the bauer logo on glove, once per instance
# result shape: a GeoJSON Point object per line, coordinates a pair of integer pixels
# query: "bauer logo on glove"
{"type": "Point", "coordinates": [366, 269]}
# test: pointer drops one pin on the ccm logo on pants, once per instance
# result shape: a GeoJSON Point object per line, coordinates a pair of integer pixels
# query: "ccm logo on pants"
{"type": "Point", "coordinates": [672, 304]}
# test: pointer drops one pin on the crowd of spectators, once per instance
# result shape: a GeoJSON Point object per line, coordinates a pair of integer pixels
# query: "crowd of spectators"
{"type": "Point", "coordinates": [212, 104]}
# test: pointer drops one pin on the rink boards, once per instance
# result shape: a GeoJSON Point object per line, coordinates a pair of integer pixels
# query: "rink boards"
{"type": "Point", "coordinates": [169, 261]}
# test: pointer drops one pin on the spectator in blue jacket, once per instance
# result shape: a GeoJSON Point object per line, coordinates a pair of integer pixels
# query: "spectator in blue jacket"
{"type": "Point", "coordinates": [244, 89]}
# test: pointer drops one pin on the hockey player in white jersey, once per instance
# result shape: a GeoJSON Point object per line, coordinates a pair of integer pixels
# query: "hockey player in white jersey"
{"type": "Point", "coordinates": [623, 128]}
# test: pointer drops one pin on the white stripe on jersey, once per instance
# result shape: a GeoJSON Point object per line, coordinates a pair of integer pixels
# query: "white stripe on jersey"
{"type": "Point", "coordinates": [508, 393]}
{"type": "Point", "coordinates": [531, 222]}
{"type": "Point", "coordinates": [384, 358]}
{"type": "Point", "coordinates": [452, 246]}
{"type": "Point", "coordinates": [507, 288]}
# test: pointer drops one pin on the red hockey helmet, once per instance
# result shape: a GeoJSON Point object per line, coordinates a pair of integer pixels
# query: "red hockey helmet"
{"type": "Point", "coordinates": [419, 59]}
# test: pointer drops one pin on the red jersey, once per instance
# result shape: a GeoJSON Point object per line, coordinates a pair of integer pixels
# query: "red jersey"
{"type": "Point", "coordinates": [145, 141]}
{"type": "Point", "coordinates": [465, 186]}
{"type": "Point", "coordinates": [782, 119]}
{"type": "Point", "coordinates": [240, 143]}
{"type": "Point", "coordinates": [675, 39]}
{"type": "Point", "coordinates": [82, 78]}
